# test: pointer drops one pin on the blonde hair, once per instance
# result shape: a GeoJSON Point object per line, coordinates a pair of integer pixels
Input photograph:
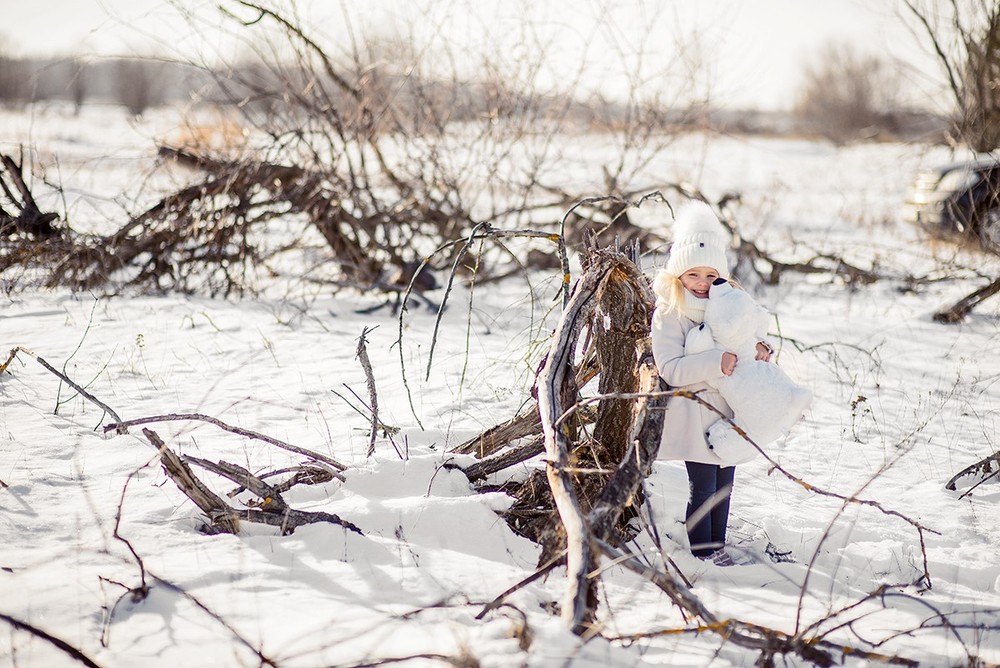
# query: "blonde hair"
{"type": "Point", "coordinates": [670, 291]}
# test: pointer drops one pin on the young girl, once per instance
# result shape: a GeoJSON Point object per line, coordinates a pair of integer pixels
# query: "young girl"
{"type": "Point", "coordinates": [697, 257]}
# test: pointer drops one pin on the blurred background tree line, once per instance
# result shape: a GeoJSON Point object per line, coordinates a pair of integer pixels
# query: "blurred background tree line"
{"type": "Point", "coordinates": [846, 94]}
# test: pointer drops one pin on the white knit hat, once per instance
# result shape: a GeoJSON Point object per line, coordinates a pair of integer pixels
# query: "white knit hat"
{"type": "Point", "coordinates": [699, 241]}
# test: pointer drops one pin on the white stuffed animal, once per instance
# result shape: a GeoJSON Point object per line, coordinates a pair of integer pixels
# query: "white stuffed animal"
{"type": "Point", "coordinates": [765, 401]}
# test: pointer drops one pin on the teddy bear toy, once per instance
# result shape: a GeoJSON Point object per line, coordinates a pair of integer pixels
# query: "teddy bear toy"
{"type": "Point", "coordinates": [765, 401]}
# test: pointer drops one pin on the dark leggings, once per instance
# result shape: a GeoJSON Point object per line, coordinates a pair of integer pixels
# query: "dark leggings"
{"type": "Point", "coordinates": [709, 534]}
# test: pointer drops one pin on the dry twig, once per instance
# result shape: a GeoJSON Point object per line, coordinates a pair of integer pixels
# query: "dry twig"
{"type": "Point", "coordinates": [59, 644]}
{"type": "Point", "coordinates": [63, 377]}
{"type": "Point", "coordinates": [122, 426]}
{"type": "Point", "coordinates": [135, 594]}
{"type": "Point", "coordinates": [480, 232]}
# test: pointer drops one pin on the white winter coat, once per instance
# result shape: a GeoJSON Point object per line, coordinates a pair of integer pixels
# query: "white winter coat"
{"type": "Point", "coordinates": [686, 421]}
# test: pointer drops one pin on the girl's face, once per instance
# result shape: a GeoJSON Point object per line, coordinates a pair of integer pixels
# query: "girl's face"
{"type": "Point", "coordinates": [698, 280]}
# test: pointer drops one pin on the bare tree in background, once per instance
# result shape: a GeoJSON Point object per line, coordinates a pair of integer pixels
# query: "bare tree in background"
{"type": "Point", "coordinates": [78, 84]}
{"type": "Point", "coordinates": [135, 85]}
{"type": "Point", "coordinates": [849, 95]}
{"type": "Point", "coordinates": [965, 37]}
{"type": "Point", "coordinates": [15, 80]}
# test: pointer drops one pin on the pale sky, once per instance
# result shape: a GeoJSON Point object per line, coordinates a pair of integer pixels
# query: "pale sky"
{"type": "Point", "coordinates": [755, 50]}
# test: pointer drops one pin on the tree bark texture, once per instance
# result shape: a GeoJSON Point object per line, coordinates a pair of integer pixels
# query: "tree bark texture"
{"type": "Point", "coordinates": [622, 318]}
{"type": "Point", "coordinates": [623, 488]}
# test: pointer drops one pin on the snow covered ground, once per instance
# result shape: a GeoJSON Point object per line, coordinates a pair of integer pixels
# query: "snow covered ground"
{"type": "Point", "coordinates": [901, 404]}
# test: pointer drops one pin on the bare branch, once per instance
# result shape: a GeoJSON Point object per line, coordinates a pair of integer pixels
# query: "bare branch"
{"type": "Point", "coordinates": [135, 594]}
{"type": "Point", "coordinates": [63, 377]}
{"type": "Point", "coordinates": [482, 231]}
{"type": "Point", "coordinates": [957, 311]}
{"type": "Point", "coordinates": [271, 497]}
{"type": "Point", "coordinates": [273, 510]}
{"type": "Point", "coordinates": [985, 468]}
{"type": "Point", "coordinates": [61, 645]}
{"type": "Point", "coordinates": [510, 457]}
{"type": "Point", "coordinates": [557, 560]}
{"type": "Point", "coordinates": [943, 59]}
{"type": "Point", "coordinates": [29, 219]}
{"type": "Point", "coordinates": [222, 517]}
{"type": "Point", "coordinates": [122, 427]}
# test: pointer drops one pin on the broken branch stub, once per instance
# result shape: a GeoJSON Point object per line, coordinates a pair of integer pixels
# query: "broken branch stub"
{"type": "Point", "coordinates": [219, 513]}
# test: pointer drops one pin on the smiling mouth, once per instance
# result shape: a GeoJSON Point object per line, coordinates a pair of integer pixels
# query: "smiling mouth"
{"type": "Point", "coordinates": [703, 294]}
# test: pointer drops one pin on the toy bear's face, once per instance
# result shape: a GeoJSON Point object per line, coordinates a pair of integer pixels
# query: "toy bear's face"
{"type": "Point", "coordinates": [733, 315]}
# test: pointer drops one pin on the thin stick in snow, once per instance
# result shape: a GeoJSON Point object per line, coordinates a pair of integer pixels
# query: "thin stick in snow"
{"type": "Point", "coordinates": [362, 355]}
{"type": "Point", "coordinates": [63, 377]}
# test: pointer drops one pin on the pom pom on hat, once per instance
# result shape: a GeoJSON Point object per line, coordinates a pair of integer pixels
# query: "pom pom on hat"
{"type": "Point", "coordinates": [699, 241]}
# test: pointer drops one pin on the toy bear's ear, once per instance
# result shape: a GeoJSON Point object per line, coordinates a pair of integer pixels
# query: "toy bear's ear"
{"type": "Point", "coordinates": [719, 281]}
